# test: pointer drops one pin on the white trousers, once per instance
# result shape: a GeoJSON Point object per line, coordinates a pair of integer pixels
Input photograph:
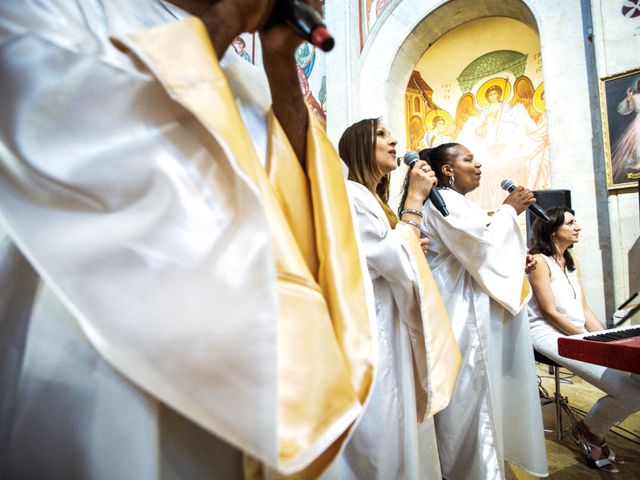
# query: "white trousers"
{"type": "Point", "coordinates": [622, 388]}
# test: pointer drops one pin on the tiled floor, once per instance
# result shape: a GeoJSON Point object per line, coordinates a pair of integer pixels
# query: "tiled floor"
{"type": "Point", "coordinates": [566, 460]}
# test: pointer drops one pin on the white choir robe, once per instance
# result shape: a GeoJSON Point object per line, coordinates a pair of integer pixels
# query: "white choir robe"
{"type": "Point", "coordinates": [494, 415]}
{"type": "Point", "coordinates": [389, 442]}
{"type": "Point", "coordinates": [155, 282]}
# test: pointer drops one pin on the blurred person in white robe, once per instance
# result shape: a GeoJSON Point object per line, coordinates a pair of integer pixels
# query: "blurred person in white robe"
{"type": "Point", "coordinates": [478, 263]}
{"type": "Point", "coordinates": [181, 283]}
{"type": "Point", "coordinates": [417, 356]}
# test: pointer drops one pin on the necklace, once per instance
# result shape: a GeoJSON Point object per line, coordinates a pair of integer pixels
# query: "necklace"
{"type": "Point", "coordinates": [564, 270]}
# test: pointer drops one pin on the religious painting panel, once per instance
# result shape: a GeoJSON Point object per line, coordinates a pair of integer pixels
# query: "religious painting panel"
{"type": "Point", "coordinates": [620, 98]}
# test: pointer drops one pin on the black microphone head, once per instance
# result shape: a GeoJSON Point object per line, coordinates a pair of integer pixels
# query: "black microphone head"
{"type": "Point", "coordinates": [410, 158]}
{"type": "Point", "coordinates": [507, 185]}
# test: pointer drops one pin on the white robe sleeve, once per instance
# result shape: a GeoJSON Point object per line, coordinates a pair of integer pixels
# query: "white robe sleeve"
{"type": "Point", "coordinates": [491, 249]}
{"type": "Point", "coordinates": [387, 255]}
{"type": "Point", "coordinates": [149, 235]}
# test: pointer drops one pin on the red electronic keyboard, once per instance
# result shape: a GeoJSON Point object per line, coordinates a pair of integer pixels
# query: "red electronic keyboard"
{"type": "Point", "coordinates": [616, 348]}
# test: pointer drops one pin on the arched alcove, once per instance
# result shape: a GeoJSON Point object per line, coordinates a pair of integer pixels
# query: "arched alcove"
{"type": "Point", "coordinates": [412, 26]}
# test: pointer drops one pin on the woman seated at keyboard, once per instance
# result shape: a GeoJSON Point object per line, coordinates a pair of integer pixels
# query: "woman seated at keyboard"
{"type": "Point", "coordinates": [558, 307]}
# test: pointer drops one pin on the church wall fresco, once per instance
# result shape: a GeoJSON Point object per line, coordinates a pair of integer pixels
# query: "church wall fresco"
{"type": "Point", "coordinates": [481, 85]}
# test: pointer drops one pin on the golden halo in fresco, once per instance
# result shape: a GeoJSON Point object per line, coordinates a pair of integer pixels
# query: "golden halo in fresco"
{"type": "Point", "coordinates": [448, 121]}
{"type": "Point", "coordinates": [501, 82]}
{"type": "Point", "coordinates": [538, 101]}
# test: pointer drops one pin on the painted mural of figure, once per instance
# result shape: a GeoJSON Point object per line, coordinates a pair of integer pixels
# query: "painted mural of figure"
{"type": "Point", "coordinates": [466, 108]}
{"type": "Point", "coordinates": [496, 121]}
{"type": "Point", "coordinates": [239, 45]}
{"type": "Point", "coordinates": [540, 162]}
{"type": "Point", "coordinates": [437, 135]}
{"type": "Point", "coordinates": [505, 140]}
{"type": "Point", "coordinates": [626, 153]}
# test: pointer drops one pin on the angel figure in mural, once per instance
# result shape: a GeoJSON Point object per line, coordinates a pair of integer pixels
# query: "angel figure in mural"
{"type": "Point", "coordinates": [239, 46]}
{"type": "Point", "coordinates": [496, 121]}
{"type": "Point", "coordinates": [440, 125]}
{"type": "Point", "coordinates": [540, 162]}
{"type": "Point", "coordinates": [466, 108]}
{"type": "Point", "coordinates": [523, 93]}
{"type": "Point", "coordinates": [625, 160]}
{"type": "Point", "coordinates": [504, 137]}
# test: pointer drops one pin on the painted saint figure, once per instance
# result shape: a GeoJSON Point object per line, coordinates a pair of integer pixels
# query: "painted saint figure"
{"type": "Point", "coordinates": [437, 135]}
{"type": "Point", "coordinates": [505, 139]}
{"type": "Point", "coordinates": [626, 154]}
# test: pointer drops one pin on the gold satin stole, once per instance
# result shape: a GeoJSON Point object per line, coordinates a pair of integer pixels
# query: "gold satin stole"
{"type": "Point", "coordinates": [324, 347]}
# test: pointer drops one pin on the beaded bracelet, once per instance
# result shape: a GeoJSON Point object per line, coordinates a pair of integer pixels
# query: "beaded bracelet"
{"type": "Point", "coordinates": [412, 210]}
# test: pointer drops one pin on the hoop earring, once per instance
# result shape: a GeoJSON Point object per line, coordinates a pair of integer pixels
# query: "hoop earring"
{"type": "Point", "coordinates": [452, 180]}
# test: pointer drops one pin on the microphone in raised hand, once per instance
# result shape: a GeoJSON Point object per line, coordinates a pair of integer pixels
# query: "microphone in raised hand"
{"type": "Point", "coordinates": [536, 209]}
{"type": "Point", "coordinates": [304, 20]}
{"type": "Point", "coordinates": [410, 158]}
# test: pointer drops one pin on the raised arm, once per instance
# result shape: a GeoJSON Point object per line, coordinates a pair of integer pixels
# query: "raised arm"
{"type": "Point", "coordinates": [226, 19]}
{"type": "Point", "coordinates": [541, 285]}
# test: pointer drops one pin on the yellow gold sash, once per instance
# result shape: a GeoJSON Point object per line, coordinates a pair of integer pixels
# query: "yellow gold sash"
{"type": "Point", "coordinates": [324, 344]}
{"type": "Point", "coordinates": [442, 352]}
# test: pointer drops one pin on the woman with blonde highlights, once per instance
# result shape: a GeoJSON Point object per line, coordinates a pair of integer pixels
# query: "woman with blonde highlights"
{"type": "Point", "coordinates": [393, 440]}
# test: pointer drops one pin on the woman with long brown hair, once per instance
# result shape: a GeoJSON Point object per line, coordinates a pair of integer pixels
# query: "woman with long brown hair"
{"type": "Point", "coordinates": [417, 358]}
{"type": "Point", "coordinates": [559, 307]}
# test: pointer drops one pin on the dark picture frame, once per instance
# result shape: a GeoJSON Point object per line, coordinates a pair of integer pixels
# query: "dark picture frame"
{"type": "Point", "coordinates": [620, 106]}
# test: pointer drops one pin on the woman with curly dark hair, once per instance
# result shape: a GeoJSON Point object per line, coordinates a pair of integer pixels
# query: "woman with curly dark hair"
{"type": "Point", "coordinates": [478, 263]}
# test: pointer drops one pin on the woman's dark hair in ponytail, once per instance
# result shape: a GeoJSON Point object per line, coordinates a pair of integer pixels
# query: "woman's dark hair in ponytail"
{"type": "Point", "coordinates": [436, 157]}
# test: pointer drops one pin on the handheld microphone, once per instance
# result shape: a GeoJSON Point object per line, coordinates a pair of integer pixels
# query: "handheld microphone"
{"type": "Point", "coordinates": [536, 209]}
{"type": "Point", "coordinates": [304, 20]}
{"type": "Point", "coordinates": [410, 158]}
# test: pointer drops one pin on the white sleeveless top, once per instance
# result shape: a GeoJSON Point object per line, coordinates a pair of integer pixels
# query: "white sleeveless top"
{"type": "Point", "coordinates": [567, 295]}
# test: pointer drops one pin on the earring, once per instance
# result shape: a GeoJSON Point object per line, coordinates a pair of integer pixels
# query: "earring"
{"type": "Point", "coordinates": [452, 180]}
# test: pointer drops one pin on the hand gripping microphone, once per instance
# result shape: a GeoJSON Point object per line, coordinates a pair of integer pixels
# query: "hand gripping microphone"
{"type": "Point", "coordinates": [410, 158]}
{"type": "Point", "coordinates": [304, 20]}
{"type": "Point", "coordinates": [536, 209]}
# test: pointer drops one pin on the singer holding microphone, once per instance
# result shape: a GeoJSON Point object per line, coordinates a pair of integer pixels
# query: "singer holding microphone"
{"type": "Point", "coordinates": [478, 262]}
{"type": "Point", "coordinates": [417, 357]}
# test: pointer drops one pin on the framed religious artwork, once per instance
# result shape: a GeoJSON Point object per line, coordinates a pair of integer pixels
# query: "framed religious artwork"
{"type": "Point", "coordinates": [620, 100]}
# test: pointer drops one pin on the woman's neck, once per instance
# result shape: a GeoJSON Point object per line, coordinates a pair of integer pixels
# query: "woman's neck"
{"type": "Point", "coordinates": [559, 255]}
